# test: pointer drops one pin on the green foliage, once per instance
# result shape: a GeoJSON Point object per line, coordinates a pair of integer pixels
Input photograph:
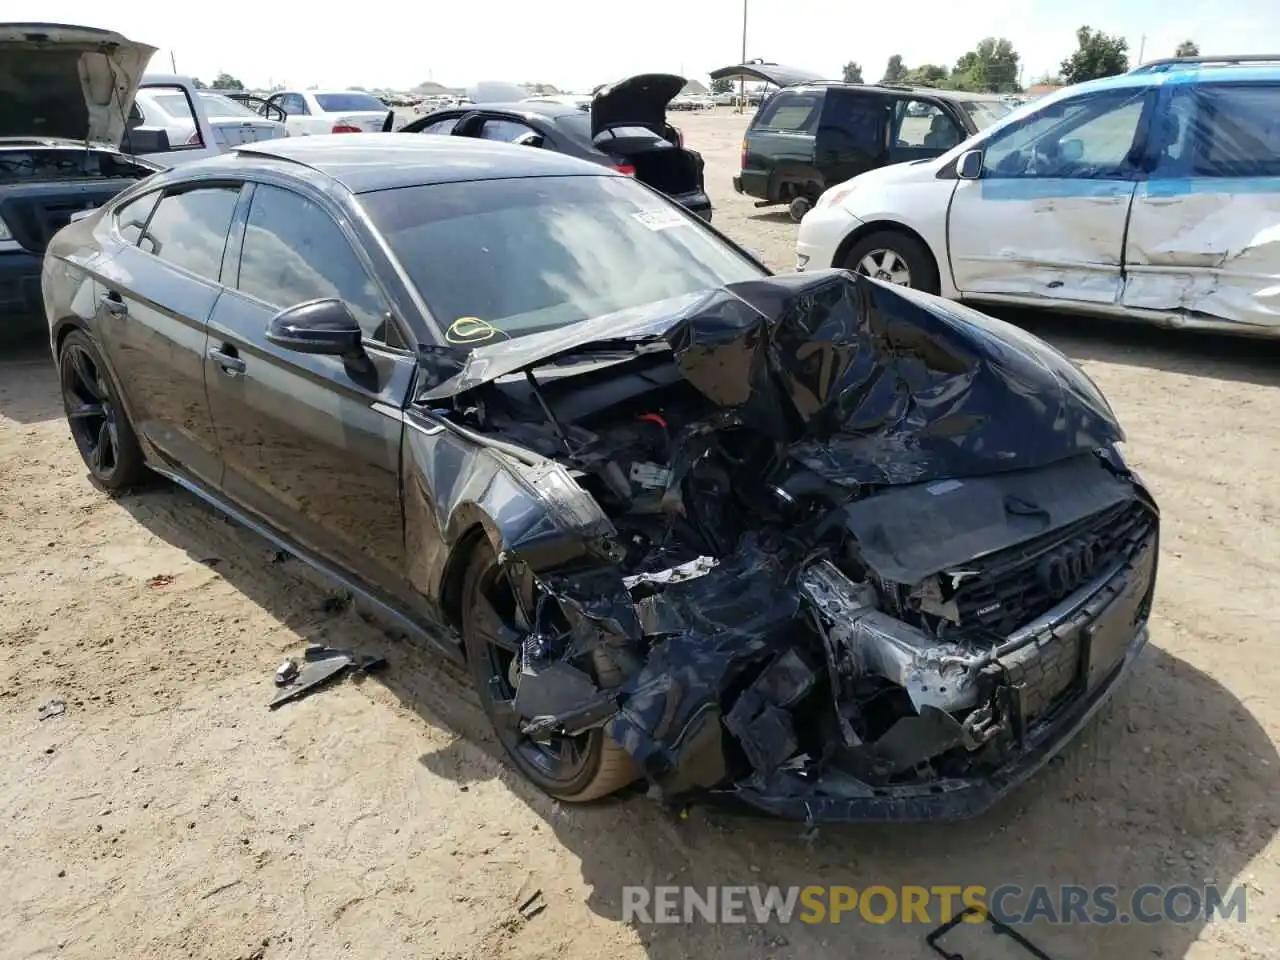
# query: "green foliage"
{"type": "Point", "coordinates": [1097, 55]}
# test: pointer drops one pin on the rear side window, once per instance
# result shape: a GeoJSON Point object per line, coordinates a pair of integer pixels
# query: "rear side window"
{"type": "Point", "coordinates": [294, 252]}
{"type": "Point", "coordinates": [344, 102]}
{"type": "Point", "coordinates": [504, 130]}
{"type": "Point", "coordinates": [132, 217]}
{"type": "Point", "coordinates": [791, 112]}
{"type": "Point", "coordinates": [441, 126]}
{"type": "Point", "coordinates": [1237, 131]}
{"type": "Point", "coordinates": [189, 229]}
{"type": "Point", "coordinates": [179, 116]}
{"type": "Point", "coordinates": [856, 122]}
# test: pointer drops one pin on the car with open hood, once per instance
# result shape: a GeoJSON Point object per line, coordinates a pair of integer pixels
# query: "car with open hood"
{"type": "Point", "coordinates": [826, 547]}
{"type": "Point", "coordinates": [811, 133]}
{"type": "Point", "coordinates": [65, 96]}
{"type": "Point", "coordinates": [623, 126]}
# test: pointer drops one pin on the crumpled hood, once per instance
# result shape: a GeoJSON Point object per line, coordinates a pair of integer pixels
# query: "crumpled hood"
{"type": "Point", "coordinates": [67, 81]}
{"type": "Point", "coordinates": [865, 383]}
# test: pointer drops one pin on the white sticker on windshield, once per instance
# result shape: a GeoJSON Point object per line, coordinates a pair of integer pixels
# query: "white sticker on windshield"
{"type": "Point", "coordinates": [660, 219]}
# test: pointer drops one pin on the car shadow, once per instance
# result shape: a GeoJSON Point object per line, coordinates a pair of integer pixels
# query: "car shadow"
{"type": "Point", "coordinates": [28, 381]}
{"type": "Point", "coordinates": [1220, 356]}
{"type": "Point", "coordinates": [1175, 783]}
{"type": "Point", "coordinates": [771, 216]}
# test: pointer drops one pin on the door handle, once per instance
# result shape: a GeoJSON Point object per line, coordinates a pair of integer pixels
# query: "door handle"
{"type": "Point", "coordinates": [228, 363]}
{"type": "Point", "coordinates": [113, 305]}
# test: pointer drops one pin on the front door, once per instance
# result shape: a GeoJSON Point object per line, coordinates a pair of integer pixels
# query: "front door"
{"type": "Point", "coordinates": [157, 345]}
{"type": "Point", "coordinates": [1047, 217]}
{"type": "Point", "coordinates": [1202, 238]}
{"type": "Point", "coordinates": [311, 443]}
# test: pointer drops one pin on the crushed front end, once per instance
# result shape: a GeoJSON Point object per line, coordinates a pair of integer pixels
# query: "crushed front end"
{"type": "Point", "coordinates": [867, 556]}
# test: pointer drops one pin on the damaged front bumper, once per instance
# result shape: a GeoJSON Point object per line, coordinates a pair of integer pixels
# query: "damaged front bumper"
{"type": "Point", "coordinates": [947, 799]}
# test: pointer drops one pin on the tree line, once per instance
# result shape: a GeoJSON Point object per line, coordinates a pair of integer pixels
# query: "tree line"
{"type": "Point", "coordinates": [993, 66]}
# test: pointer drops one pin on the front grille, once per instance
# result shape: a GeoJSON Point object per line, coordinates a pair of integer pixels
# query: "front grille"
{"type": "Point", "coordinates": [1016, 585]}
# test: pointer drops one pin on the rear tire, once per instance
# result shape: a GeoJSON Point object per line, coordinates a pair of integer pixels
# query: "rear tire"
{"type": "Point", "coordinates": [598, 766]}
{"type": "Point", "coordinates": [99, 425]}
{"type": "Point", "coordinates": [799, 207]}
{"type": "Point", "coordinates": [893, 256]}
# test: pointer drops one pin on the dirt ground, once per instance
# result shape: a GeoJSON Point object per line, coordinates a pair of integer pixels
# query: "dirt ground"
{"type": "Point", "coordinates": [168, 813]}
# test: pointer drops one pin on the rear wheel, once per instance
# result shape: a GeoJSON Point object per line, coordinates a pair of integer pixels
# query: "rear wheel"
{"type": "Point", "coordinates": [99, 425]}
{"type": "Point", "coordinates": [575, 769]}
{"type": "Point", "coordinates": [799, 207]}
{"type": "Point", "coordinates": [896, 258]}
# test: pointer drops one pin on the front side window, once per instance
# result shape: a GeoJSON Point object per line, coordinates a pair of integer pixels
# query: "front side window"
{"type": "Point", "coordinates": [923, 124]}
{"type": "Point", "coordinates": [189, 229]}
{"type": "Point", "coordinates": [1090, 137]}
{"type": "Point", "coordinates": [537, 253]}
{"type": "Point", "coordinates": [294, 252]}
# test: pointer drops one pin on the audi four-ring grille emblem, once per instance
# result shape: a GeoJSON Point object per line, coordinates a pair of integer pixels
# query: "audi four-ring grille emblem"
{"type": "Point", "coordinates": [1070, 566]}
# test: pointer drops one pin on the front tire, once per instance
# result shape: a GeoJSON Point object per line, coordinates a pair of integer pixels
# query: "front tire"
{"type": "Point", "coordinates": [894, 257]}
{"type": "Point", "coordinates": [574, 769]}
{"type": "Point", "coordinates": [99, 425]}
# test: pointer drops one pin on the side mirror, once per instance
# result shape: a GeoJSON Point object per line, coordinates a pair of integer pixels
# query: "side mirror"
{"type": "Point", "coordinates": [530, 139]}
{"type": "Point", "coordinates": [82, 214]}
{"type": "Point", "coordinates": [970, 165]}
{"type": "Point", "coordinates": [317, 326]}
{"type": "Point", "coordinates": [1070, 151]}
{"type": "Point", "coordinates": [147, 140]}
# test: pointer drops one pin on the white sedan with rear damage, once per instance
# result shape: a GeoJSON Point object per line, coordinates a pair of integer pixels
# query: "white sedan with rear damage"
{"type": "Point", "coordinates": [1149, 196]}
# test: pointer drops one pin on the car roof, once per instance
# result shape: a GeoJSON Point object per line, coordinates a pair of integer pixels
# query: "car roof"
{"type": "Point", "coordinates": [364, 162]}
{"type": "Point", "coordinates": [550, 110]}
{"type": "Point", "coordinates": [890, 88]}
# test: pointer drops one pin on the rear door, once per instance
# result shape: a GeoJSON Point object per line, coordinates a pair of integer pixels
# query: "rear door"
{"type": "Point", "coordinates": [921, 128]}
{"type": "Point", "coordinates": [156, 298]}
{"type": "Point", "coordinates": [311, 443]}
{"type": "Point", "coordinates": [779, 146]}
{"type": "Point", "coordinates": [853, 133]}
{"type": "Point", "coordinates": [1203, 235]}
{"type": "Point", "coordinates": [1047, 217]}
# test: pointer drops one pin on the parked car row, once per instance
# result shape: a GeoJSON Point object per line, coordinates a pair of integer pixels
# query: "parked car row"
{"type": "Point", "coordinates": [1147, 196]}
{"type": "Point", "coordinates": [522, 398]}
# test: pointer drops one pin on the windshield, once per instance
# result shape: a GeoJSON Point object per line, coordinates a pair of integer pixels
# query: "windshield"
{"type": "Point", "coordinates": [984, 113]}
{"type": "Point", "coordinates": [217, 105]}
{"type": "Point", "coordinates": [518, 256]}
{"type": "Point", "coordinates": [342, 102]}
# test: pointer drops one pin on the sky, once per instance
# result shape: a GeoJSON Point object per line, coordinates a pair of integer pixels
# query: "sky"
{"type": "Point", "coordinates": [577, 44]}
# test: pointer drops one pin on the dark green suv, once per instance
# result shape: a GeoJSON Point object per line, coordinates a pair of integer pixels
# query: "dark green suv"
{"type": "Point", "coordinates": [811, 134]}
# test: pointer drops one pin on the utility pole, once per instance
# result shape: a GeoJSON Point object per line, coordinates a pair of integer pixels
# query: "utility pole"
{"type": "Point", "coordinates": [1142, 46]}
{"type": "Point", "coordinates": [173, 61]}
{"type": "Point", "coordinates": [742, 80]}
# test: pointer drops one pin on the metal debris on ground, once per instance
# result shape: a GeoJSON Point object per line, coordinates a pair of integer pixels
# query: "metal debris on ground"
{"type": "Point", "coordinates": [286, 672]}
{"type": "Point", "coordinates": [160, 580]}
{"type": "Point", "coordinates": [998, 928]}
{"type": "Point", "coordinates": [322, 664]}
{"type": "Point", "coordinates": [54, 708]}
{"type": "Point", "coordinates": [532, 905]}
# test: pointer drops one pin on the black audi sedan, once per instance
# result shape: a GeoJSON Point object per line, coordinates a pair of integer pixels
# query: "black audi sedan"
{"type": "Point", "coordinates": [829, 548]}
{"type": "Point", "coordinates": [623, 126]}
